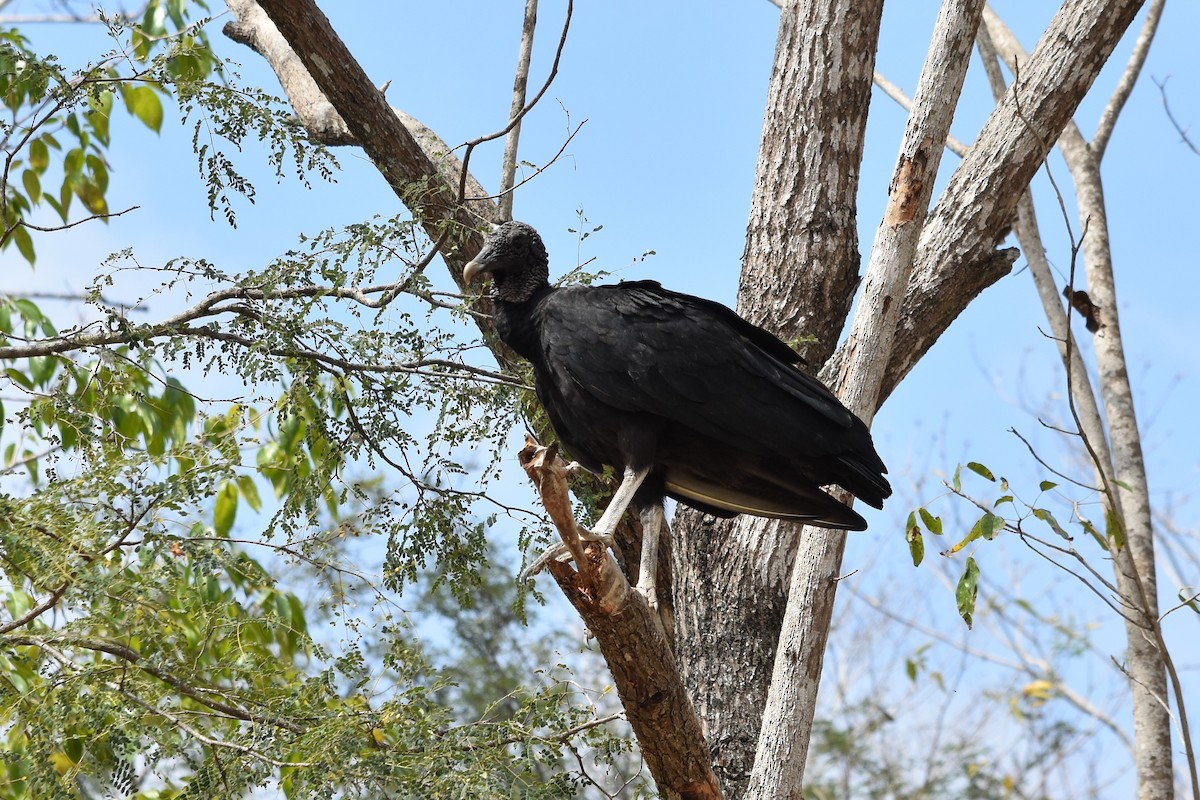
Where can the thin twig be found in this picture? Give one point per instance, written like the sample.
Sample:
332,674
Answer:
1133,69
1183,132
508,165
516,118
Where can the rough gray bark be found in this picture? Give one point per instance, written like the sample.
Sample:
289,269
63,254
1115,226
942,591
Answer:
799,274
727,638
1137,580
792,699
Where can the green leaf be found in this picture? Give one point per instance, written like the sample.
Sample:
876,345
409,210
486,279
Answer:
916,545
956,481
19,378
31,313
986,527
32,184
144,103
1048,518
226,508
968,589
99,171
24,243
100,115
1114,529
39,155
1046,486
249,492
981,470
93,197
73,162
41,369
932,523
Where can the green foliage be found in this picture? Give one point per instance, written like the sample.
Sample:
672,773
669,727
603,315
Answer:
967,590
180,618
1034,521
63,119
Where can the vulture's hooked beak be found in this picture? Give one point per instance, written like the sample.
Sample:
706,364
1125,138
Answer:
472,269
479,263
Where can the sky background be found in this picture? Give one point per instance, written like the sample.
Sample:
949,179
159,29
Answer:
672,95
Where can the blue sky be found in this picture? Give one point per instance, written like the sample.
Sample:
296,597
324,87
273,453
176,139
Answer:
673,95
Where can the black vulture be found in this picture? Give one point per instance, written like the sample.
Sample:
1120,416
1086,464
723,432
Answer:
680,395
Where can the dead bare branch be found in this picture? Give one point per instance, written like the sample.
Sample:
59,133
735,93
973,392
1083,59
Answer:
508,164
1183,131
632,640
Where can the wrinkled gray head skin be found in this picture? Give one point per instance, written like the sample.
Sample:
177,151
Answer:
513,254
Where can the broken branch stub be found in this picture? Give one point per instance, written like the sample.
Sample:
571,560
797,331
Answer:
631,640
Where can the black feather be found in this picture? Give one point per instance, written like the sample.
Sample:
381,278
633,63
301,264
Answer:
635,375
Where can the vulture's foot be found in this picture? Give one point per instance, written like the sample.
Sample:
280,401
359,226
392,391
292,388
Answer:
649,591
560,552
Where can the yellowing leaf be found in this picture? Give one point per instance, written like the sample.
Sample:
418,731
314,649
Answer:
1040,689
226,508
144,103
968,589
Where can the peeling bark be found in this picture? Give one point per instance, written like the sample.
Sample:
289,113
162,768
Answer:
795,680
632,641
799,273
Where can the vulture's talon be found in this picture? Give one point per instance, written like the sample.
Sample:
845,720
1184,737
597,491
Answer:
555,552
606,539
650,593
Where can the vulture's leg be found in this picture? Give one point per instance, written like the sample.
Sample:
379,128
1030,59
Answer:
604,528
652,525
620,501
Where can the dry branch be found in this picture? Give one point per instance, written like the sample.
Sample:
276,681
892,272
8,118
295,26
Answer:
792,699
508,164
979,203
1119,460
632,641
342,106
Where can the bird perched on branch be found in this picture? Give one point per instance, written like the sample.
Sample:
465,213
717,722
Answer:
681,396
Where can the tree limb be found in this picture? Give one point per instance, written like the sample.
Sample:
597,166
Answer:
978,204
632,641
298,42
791,702
508,164
1125,485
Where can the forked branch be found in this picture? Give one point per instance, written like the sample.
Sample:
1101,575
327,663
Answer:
632,642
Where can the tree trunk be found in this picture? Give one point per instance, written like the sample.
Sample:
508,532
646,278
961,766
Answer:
1120,465
798,277
730,577
800,271
792,700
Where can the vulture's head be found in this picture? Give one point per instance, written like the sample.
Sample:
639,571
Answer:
513,254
